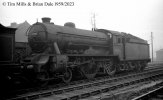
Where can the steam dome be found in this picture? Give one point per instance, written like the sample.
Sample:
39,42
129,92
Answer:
70,24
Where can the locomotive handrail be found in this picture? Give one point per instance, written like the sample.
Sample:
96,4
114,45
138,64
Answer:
26,33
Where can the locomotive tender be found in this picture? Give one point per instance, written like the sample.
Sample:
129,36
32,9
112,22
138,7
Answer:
65,51
7,58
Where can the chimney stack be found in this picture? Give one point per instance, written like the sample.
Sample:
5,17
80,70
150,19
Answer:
46,20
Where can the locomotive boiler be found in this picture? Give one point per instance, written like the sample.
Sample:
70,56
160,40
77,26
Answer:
66,51
69,39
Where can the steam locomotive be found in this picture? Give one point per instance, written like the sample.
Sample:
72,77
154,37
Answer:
66,51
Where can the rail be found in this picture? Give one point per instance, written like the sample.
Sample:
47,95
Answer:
84,90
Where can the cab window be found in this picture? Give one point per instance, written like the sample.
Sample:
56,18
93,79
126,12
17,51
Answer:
109,35
128,40
118,40
123,40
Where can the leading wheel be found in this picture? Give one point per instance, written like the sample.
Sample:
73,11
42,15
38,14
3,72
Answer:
67,76
43,78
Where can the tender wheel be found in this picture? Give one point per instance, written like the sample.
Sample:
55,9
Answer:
110,68
143,65
67,76
138,66
89,70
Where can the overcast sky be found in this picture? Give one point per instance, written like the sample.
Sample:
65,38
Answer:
137,17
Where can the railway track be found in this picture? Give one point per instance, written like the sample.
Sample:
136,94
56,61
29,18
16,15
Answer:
132,92
154,65
80,89
153,93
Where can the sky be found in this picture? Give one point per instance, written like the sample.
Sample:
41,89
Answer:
137,17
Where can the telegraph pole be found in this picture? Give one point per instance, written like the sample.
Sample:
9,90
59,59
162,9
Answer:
152,45
94,17
93,22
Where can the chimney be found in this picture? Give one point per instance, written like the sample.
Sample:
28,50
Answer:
46,20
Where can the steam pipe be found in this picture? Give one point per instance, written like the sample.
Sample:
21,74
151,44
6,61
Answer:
56,48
